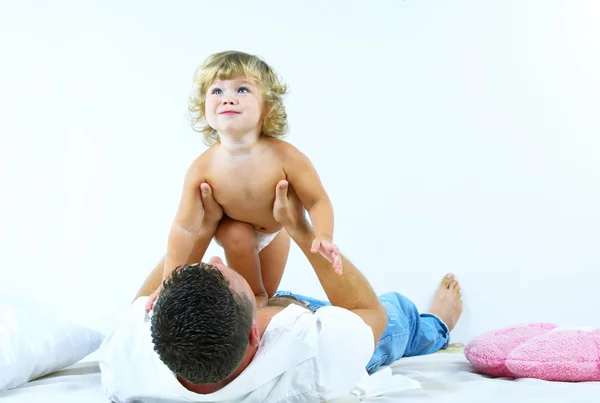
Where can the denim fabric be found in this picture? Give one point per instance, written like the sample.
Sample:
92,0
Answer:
407,334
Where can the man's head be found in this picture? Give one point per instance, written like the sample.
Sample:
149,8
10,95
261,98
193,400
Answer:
204,322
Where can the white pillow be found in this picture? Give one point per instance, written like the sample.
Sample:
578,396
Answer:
35,344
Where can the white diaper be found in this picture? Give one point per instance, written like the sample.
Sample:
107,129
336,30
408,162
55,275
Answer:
264,239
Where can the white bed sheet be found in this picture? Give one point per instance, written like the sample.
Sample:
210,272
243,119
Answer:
445,377
448,377
79,383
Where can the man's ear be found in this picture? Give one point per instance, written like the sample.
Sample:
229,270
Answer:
254,338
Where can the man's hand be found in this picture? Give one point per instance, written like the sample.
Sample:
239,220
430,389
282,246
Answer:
329,251
152,299
288,210
213,212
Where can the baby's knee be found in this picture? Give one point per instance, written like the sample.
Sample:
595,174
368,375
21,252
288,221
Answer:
236,236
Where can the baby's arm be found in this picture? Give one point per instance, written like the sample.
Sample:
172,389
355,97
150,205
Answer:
189,226
188,220
305,180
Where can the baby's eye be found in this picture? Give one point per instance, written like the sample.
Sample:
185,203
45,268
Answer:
216,91
243,89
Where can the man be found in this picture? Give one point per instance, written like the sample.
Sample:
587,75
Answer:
207,341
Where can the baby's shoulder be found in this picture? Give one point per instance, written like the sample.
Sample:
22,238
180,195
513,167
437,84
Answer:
282,148
202,163
208,156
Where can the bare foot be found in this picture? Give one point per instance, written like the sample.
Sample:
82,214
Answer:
447,304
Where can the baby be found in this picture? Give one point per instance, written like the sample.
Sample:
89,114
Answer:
238,104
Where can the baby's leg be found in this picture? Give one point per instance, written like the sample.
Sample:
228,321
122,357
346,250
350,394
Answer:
239,241
272,261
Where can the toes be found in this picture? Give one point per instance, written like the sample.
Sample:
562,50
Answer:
447,279
452,285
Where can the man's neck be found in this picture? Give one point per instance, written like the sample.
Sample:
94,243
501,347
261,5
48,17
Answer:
263,318
206,388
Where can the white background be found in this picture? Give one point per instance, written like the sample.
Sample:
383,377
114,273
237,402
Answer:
455,136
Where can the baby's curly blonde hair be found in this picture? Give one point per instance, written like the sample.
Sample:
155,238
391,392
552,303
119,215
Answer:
224,65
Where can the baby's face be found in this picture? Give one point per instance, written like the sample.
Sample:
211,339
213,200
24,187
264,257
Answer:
234,106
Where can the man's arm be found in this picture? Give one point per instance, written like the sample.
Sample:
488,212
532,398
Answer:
351,290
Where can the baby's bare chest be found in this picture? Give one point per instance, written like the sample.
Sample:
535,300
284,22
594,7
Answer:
246,186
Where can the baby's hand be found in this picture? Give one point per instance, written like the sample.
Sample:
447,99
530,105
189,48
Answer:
152,299
329,251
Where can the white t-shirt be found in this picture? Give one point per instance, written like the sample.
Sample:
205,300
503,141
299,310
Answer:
302,357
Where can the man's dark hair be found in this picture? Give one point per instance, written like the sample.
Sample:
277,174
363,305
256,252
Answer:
199,326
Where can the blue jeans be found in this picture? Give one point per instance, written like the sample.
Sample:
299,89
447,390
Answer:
407,334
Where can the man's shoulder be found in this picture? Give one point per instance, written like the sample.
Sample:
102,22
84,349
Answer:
330,349
325,326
